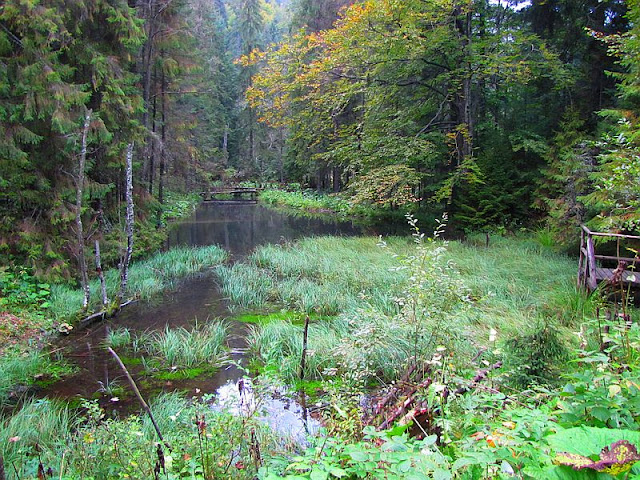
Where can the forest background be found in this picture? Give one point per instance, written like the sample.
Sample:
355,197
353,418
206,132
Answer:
505,114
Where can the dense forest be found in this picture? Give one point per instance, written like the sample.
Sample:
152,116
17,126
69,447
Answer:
505,115
506,124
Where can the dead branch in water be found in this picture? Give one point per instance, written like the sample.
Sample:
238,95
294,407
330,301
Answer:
138,395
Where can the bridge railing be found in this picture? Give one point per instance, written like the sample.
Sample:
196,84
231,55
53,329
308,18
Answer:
590,271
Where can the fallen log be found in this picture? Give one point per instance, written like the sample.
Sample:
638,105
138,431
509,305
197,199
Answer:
102,314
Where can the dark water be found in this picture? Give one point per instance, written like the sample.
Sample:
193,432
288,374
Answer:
238,228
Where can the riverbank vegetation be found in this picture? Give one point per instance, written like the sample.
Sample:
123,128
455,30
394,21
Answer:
479,357
513,360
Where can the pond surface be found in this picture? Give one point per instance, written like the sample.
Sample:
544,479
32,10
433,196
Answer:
239,228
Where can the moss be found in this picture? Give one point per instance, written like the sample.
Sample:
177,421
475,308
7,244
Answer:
312,388
296,318
184,374
129,361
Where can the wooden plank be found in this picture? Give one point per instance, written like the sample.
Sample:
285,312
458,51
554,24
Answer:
583,252
627,276
615,235
604,234
625,259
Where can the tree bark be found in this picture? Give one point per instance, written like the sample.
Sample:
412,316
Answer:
152,146
124,265
281,154
103,284
163,137
82,261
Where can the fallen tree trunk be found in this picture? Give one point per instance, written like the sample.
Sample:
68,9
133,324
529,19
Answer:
102,314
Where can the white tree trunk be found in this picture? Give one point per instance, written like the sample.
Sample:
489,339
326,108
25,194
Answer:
82,262
124,265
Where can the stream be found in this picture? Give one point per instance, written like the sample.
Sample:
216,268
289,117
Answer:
238,227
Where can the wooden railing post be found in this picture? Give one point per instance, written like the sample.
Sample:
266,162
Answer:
581,279
592,281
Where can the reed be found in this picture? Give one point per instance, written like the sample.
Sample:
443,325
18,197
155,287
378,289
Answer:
279,344
118,338
246,286
184,348
44,423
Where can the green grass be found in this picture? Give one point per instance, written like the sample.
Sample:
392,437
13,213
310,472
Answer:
279,345
185,349
517,281
307,201
28,369
44,423
118,338
296,318
325,275
146,278
513,284
179,205
89,445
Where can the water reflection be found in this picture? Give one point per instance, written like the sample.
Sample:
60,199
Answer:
240,227
283,413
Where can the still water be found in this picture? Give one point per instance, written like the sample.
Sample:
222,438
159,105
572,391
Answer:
237,227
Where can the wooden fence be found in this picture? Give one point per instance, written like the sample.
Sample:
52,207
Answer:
591,266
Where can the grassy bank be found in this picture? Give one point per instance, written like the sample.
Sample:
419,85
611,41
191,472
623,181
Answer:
401,301
308,201
337,205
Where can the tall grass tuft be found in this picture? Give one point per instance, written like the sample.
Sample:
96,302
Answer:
279,344
118,338
246,286
184,348
43,422
327,275
515,281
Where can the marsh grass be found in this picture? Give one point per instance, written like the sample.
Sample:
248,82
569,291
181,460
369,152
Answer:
185,349
516,281
246,286
512,285
148,277
279,345
326,275
44,423
118,338
90,445
28,369
296,318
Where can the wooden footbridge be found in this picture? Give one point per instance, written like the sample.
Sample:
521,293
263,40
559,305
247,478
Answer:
594,268
230,193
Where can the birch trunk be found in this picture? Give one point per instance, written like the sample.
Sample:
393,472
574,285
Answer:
124,265
82,262
103,284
